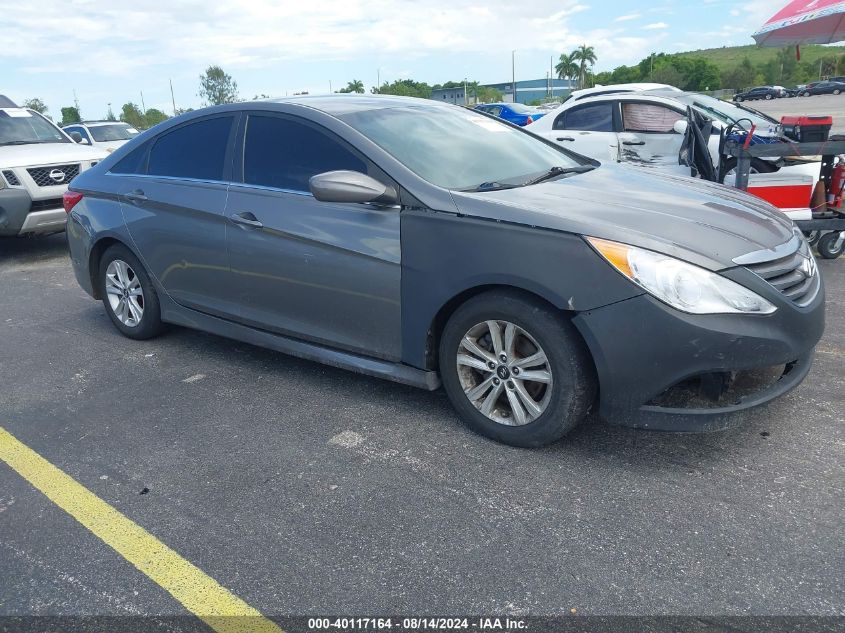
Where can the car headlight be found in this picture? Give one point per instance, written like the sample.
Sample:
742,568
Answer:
683,286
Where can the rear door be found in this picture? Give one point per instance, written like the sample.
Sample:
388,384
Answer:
648,137
321,271
589,129
174,208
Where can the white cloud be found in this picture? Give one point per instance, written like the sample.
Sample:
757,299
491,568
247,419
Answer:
627,18
656,26
107,38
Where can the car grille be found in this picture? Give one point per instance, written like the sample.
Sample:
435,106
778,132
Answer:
41,175
45,205
11,178
795,276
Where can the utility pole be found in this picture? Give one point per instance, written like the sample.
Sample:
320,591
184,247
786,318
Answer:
143,107
172,98
551,76
651,73
466,97
330,86
378,80
513,73
76,103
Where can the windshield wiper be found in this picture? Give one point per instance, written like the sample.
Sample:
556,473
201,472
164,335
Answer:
491,186
557,170
18,142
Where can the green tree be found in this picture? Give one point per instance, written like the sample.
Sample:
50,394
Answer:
356,85
405,88
566,67
585,56
110,115
35,104
669,75
153,117
131,114
486,94
70,115
625,75
217,87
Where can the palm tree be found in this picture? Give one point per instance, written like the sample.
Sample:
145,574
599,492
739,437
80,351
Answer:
584,55
356,85
566,67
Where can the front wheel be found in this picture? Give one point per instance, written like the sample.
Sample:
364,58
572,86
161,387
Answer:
128,294
831,245
738,99
768,97
837,92
515,369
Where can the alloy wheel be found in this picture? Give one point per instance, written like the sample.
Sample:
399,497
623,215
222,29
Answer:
504,373
125,294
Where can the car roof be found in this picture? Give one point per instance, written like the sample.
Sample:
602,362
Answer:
619,88
340,104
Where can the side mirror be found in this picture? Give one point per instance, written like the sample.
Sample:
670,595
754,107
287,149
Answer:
681,126
76,136
351,186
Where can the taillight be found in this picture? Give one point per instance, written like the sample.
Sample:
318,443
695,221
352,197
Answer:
70,200
529,121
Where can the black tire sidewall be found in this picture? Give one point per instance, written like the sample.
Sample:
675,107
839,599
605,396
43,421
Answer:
151,324
572,370
823,246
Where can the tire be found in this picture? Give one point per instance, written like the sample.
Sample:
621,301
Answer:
119,270
561,397
768,97
827,245
806,94
738,99
758,166
812,237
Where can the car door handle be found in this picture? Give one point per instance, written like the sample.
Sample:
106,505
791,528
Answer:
633,142
246,219
136,196
565,138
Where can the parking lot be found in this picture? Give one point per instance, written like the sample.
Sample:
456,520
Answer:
833,105
304,489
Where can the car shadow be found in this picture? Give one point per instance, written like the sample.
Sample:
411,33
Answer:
32,249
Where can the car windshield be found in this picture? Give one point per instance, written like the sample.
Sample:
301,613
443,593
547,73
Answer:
113,132
24,127
457,148
725,111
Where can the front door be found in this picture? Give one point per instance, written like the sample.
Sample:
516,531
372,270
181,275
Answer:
325,272
648,137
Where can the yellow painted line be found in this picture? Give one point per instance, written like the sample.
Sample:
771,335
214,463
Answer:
199,593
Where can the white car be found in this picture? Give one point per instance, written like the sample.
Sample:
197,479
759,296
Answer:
37,161
648,128
108,135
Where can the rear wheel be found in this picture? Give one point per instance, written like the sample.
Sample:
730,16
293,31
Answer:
768,97
738,99
128,294
515,370
831,245
837,91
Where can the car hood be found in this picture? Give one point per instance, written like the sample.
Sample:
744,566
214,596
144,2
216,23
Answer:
47,154
697,221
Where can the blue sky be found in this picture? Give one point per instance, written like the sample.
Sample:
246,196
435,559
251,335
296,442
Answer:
109,54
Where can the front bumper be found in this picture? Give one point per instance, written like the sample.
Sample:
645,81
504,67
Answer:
20,216
642,348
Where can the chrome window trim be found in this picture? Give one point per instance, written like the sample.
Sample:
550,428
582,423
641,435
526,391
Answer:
229,183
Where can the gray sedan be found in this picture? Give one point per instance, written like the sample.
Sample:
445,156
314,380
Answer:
429,244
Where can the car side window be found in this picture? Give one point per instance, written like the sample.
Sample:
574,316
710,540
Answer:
196,150
133,163
495,110
650,118
593,117
284,153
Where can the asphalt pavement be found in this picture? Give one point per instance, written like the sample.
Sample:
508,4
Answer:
308,490
833,105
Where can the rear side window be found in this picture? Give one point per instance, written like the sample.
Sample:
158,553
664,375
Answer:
196,150
284,154
595,117
133,162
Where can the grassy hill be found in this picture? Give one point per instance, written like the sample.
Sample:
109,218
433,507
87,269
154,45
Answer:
729,57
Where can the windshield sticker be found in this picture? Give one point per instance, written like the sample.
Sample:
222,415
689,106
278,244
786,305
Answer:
16,112
487,124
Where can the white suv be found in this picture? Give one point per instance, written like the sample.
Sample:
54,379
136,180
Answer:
107,135
37,161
